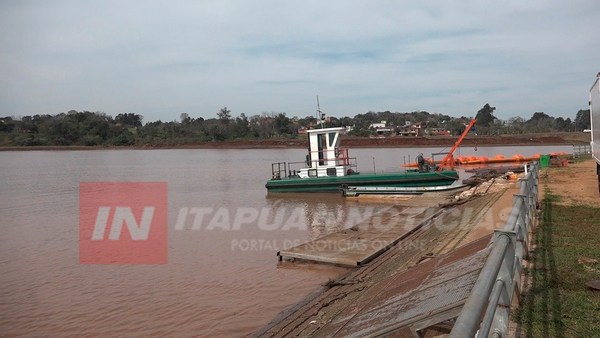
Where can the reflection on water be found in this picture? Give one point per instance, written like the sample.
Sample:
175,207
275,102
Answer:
222,278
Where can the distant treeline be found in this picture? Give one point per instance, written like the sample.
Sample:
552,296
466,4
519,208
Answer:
126,129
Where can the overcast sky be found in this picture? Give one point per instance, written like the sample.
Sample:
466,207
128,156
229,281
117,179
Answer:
162,58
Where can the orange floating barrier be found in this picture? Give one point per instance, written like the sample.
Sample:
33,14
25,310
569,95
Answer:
474,160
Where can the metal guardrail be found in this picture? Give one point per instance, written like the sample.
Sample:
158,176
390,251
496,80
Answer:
500,277
582,150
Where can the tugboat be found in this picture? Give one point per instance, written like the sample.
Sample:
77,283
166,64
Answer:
328,168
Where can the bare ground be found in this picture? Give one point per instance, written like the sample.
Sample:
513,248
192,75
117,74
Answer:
575,184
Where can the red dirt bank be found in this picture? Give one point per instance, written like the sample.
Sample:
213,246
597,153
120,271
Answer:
357,142
399,141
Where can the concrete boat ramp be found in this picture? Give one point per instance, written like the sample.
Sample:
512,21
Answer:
365,241
428,294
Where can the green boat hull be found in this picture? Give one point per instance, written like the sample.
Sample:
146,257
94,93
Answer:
334,183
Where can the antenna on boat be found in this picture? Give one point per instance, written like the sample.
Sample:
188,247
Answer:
374,171
320,114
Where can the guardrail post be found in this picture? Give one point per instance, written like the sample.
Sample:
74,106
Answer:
536,182
498,310
522,226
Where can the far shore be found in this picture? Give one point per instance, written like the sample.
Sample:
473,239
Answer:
576,138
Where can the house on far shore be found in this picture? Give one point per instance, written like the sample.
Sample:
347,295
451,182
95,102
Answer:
438,132
411,129
381,128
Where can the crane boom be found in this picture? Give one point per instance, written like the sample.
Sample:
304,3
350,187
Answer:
448,161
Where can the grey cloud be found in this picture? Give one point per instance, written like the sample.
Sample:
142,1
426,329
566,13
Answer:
161,58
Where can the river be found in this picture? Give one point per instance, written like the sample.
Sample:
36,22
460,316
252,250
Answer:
222,277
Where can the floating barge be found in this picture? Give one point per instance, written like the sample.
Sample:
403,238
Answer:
354,191
362,243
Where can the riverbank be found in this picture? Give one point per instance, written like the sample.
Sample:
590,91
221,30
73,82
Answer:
351,142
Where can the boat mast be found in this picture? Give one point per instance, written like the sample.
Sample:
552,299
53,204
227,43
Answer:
320,114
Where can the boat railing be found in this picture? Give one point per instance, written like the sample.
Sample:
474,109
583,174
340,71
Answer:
294,168
349,162
278,170
341,157
281,170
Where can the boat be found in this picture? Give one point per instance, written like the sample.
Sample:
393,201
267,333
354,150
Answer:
353,191
327,167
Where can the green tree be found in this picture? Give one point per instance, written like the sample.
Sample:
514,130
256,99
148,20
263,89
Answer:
485,118
346,121
262,126
241,128
282,124
217,132
561,124
184,118
582,120
540,122
64,131
457,125
129,119
124,138
224,115
516,125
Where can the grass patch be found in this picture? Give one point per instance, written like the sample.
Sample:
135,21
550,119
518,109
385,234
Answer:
558,304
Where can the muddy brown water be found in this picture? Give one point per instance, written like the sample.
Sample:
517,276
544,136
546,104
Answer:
222,277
